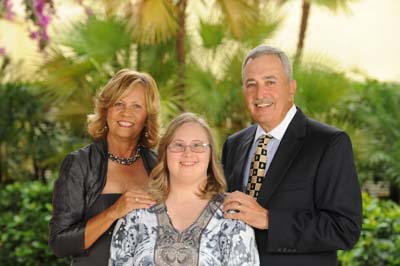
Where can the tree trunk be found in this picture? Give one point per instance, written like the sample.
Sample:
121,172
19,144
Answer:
3,162
303,28
180,47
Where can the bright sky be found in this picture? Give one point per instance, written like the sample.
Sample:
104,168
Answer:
365,40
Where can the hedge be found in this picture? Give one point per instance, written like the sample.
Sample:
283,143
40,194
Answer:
26,210
379,244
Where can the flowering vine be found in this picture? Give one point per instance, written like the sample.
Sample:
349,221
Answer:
38,15
39,12
6,10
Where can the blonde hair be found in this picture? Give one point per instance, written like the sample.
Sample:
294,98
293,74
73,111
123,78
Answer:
119,86
159,177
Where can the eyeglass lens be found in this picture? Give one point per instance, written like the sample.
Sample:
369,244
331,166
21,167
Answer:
195,146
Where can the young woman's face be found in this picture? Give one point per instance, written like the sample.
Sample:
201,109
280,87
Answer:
188,154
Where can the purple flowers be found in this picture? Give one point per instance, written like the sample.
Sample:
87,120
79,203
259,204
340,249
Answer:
8,8
41,18
37,12
2,51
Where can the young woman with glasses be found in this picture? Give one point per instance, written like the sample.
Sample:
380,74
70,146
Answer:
187,226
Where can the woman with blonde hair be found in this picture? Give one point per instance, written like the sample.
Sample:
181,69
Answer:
107,179
187,226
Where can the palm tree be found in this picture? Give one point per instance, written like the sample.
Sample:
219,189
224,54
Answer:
156,21
80,61
332,5
214,78
147,35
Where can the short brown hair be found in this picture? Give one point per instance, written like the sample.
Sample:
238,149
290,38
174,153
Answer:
118,86
159,177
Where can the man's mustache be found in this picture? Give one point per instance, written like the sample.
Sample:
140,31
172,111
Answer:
262,101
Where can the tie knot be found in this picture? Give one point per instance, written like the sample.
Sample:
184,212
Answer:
263,139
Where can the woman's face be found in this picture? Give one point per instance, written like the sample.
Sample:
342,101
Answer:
188,154
127,116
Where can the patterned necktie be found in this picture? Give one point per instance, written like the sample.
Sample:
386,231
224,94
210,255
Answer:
257,166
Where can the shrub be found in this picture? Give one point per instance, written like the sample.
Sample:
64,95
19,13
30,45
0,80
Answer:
25,214
379,244
26,210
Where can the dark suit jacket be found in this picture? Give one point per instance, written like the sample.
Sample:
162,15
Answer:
310,190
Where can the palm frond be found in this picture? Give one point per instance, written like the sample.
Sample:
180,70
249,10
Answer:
211,34
267,23
112,6
335,5
202,90
240,16
153,21
319,87
97,38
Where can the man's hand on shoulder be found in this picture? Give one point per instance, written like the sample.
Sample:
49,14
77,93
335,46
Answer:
240,206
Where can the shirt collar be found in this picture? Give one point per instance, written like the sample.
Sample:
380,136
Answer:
279,130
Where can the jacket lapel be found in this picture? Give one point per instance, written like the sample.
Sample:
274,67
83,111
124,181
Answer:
290,145
243,150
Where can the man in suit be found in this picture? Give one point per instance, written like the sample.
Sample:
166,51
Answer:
304,199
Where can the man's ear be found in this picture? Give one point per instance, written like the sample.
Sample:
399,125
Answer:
293,87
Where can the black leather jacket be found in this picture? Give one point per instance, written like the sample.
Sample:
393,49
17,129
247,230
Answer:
81,179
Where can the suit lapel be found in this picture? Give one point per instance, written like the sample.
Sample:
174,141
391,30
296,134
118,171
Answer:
290,145
243,150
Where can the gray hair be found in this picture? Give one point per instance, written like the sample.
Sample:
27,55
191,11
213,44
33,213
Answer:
269,50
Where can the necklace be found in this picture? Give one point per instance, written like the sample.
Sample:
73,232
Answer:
124,161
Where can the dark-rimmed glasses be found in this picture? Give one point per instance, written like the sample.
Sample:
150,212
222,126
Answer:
195,146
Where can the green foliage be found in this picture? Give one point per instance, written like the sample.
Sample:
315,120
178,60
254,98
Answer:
335,5
212,34
266,24
210,96
159,61
238,16
153,21
379,244
319,88
367,111
374,107
219,99
98,39
28,137
25,213
81,61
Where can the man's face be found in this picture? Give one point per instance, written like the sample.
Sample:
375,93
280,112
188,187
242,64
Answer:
269,94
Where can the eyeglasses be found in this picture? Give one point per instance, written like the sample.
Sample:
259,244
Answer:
195,146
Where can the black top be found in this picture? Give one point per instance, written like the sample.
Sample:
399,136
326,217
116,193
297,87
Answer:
99,252
81,180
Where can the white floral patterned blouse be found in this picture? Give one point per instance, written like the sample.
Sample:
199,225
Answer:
146,237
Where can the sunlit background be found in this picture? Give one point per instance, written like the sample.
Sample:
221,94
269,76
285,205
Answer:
365,39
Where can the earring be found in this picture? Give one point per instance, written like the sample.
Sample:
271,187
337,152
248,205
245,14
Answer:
146,134
105,128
